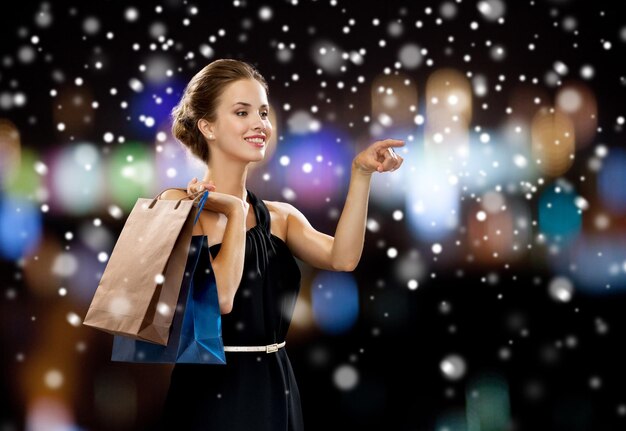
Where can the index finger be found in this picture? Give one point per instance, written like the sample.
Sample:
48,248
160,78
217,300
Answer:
390,143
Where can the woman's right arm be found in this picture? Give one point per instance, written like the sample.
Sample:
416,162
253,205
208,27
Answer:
228,265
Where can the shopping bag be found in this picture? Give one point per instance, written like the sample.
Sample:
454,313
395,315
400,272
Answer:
196,335
139,288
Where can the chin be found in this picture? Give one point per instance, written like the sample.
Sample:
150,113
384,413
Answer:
261,154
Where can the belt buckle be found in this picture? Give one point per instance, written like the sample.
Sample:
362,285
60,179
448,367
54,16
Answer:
271,348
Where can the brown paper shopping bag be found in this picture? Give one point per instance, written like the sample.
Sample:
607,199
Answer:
138,291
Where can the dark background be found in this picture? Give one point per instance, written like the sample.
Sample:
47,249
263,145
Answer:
565,372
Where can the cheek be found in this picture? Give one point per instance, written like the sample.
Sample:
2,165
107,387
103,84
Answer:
238,127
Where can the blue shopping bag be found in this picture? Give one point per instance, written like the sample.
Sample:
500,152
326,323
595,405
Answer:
196,332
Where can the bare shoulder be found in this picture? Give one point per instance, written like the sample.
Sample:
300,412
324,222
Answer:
279,212
280,208
284,209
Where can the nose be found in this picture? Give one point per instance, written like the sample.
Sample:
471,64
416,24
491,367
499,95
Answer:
259,124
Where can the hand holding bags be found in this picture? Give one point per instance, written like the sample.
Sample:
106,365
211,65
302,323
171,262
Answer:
176,311
139,288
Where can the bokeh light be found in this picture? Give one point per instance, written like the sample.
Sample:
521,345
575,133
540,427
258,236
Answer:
25,179
553,142
175,165
394,100
335,301
578,102
20,227
10,151
559,216
492,10
77,182
561,289
448,113
131,174
346,377
501,239
50,413
490,236
73,107
153,101
612,182
594,264
327,56
432,201
453,367
488,403
318,166
410,55
40,275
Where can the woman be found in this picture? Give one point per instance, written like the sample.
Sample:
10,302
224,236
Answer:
223,118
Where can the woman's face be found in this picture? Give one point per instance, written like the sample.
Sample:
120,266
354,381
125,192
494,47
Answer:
242,128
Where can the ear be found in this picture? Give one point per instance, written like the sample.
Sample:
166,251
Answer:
206,128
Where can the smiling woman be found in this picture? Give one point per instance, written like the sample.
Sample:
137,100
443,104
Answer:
201,103
245,120
223,118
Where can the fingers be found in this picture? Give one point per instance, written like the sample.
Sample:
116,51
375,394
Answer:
391,161
399,161
191,186
195,186
389,143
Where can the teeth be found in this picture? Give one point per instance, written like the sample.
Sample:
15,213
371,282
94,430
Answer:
255,140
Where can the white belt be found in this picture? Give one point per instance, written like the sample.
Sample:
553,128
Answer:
270,348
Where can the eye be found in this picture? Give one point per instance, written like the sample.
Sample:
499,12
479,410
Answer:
265,114
241,113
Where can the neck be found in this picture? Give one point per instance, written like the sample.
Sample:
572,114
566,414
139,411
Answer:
228,175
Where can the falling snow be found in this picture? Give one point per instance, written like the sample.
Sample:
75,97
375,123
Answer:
493,273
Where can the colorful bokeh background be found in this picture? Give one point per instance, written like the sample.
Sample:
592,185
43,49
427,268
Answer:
491,290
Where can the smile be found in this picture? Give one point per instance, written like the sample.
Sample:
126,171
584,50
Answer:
257,142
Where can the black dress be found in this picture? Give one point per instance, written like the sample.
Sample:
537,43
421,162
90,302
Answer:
254,390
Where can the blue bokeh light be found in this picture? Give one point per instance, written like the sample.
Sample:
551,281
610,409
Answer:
595,262
20,227
432,201
335,301
153,105
318,168
612,181
175,167
559,217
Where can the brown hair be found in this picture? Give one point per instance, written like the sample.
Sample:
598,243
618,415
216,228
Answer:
200,100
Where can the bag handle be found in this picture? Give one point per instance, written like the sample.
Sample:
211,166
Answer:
195,195
203,193
176,188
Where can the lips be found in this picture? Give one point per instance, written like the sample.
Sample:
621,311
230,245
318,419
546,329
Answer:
257,140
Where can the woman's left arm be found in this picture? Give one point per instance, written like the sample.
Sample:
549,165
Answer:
343,251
